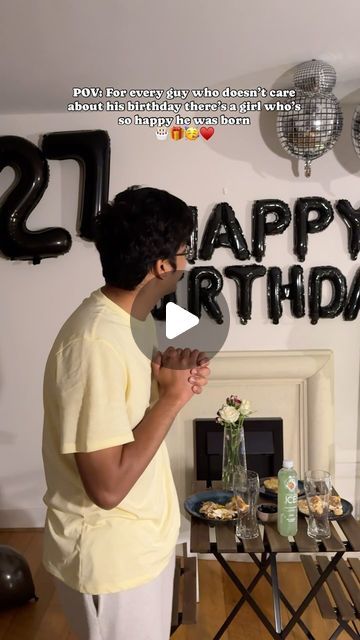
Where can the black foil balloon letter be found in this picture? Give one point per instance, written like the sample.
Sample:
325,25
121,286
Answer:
211,233
194,236
204,284
223,215
92,150
244,278
336,305
351,217
294,291
159,312
16,583
303,225
353,303
32,176
261,228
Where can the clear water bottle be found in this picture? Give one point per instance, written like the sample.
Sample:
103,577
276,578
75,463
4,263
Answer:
287,500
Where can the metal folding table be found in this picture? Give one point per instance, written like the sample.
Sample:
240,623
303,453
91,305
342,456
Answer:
268,547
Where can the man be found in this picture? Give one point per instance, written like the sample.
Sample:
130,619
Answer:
113,516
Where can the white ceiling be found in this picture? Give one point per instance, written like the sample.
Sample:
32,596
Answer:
49,46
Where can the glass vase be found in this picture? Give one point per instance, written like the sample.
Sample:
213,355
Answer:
234,454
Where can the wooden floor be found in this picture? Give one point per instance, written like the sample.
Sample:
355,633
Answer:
44,620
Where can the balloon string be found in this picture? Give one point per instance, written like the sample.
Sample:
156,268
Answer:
307,168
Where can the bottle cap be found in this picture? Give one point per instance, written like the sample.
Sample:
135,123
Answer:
288,464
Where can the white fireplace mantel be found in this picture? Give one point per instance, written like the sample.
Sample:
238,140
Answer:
297,386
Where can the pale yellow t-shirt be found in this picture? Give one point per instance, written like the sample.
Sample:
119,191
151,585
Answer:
97,387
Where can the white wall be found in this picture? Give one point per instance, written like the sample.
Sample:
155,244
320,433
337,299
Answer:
236,165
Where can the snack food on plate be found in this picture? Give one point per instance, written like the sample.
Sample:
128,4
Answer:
335,505
271,484
216,511
317,506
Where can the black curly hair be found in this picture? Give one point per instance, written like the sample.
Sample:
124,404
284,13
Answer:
140,226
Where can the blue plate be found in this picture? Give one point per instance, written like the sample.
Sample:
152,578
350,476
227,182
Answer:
273,494
347,510
193,503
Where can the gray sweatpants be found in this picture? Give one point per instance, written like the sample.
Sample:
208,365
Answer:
141,613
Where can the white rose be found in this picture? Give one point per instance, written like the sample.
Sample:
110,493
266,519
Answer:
229,414
245,408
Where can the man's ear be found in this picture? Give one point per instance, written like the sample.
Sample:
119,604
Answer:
160,268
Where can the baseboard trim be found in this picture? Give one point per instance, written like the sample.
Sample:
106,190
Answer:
21,529
28,518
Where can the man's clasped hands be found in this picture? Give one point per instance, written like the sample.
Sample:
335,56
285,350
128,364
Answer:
181,372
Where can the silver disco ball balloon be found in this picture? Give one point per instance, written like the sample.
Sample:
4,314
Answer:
355,130
315,76
313,130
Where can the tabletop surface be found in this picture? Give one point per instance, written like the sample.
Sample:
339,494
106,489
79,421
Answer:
347,540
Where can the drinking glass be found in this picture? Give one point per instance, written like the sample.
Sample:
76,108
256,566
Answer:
246,490
317,485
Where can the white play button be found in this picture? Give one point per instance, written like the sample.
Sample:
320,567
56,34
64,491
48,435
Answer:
178,320
173,322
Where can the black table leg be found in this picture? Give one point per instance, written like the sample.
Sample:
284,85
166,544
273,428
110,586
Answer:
345,626
313,591
262,571
277,631
336,633
246,597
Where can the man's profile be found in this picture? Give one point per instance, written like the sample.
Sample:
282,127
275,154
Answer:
112,510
